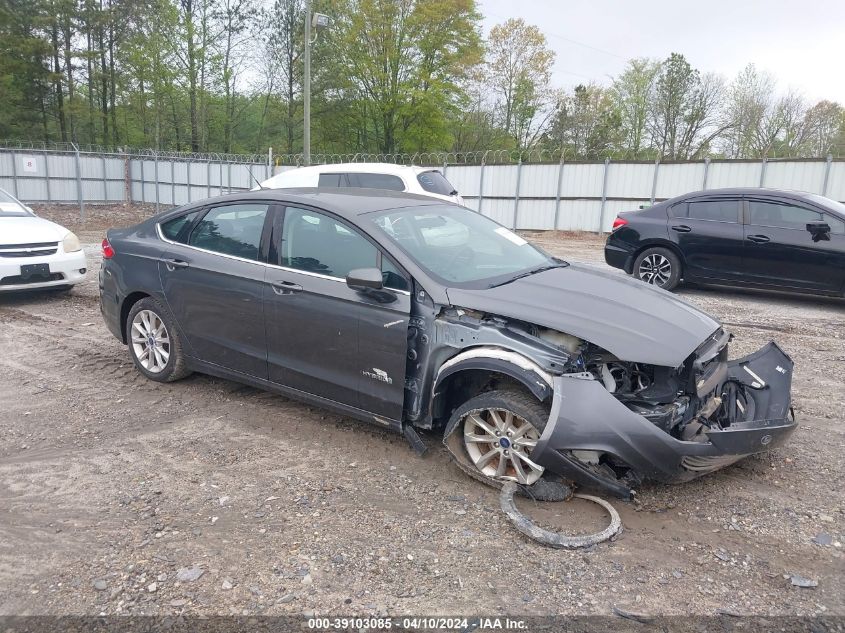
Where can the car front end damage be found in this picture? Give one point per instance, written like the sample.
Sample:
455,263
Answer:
629,422
613,423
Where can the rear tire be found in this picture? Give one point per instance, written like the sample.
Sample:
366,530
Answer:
659,267
154,342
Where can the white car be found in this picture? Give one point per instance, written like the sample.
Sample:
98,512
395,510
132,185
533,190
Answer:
34,252
425,181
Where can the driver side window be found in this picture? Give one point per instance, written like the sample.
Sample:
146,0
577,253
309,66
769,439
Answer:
316,243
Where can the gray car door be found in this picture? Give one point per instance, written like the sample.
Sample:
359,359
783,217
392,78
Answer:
324,338
213,279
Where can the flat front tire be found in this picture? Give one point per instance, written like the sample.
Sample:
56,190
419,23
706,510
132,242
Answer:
659,267
499,431
154,342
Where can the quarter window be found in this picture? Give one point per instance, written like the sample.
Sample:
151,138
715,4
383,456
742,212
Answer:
785,216
172,228
331,180
231,230
715,210
435,182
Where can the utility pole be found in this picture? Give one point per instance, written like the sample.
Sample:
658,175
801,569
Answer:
306,89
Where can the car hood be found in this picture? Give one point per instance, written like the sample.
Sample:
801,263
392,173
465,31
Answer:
630,319
29,230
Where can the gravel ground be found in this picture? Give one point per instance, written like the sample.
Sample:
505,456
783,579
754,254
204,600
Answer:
124,496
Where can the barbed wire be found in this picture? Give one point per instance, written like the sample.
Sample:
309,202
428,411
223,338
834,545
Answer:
432,158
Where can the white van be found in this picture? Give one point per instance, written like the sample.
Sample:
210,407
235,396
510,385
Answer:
425,181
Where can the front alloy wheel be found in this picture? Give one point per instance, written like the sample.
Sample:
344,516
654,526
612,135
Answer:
499,443
150,341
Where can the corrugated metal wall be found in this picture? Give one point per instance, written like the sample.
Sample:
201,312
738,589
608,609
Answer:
573,196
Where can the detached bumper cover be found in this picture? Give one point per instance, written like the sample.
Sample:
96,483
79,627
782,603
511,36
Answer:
585,416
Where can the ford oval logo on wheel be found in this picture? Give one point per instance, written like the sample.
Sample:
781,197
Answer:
765,440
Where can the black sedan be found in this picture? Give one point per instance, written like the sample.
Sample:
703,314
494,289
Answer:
764,238
413,314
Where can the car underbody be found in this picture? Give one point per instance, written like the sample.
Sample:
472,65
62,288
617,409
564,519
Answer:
614,422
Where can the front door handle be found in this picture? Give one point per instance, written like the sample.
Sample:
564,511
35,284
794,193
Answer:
681,228
758,239
173,264
285,287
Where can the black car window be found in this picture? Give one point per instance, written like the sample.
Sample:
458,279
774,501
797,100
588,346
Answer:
231,230
376,181
172,228
316,243
435,182
781,215
331,180
716,210
836,225
392,276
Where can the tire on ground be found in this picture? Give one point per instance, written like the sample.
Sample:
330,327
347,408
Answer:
176,367
676,269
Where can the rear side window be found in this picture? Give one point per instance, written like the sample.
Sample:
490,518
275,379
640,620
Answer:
435,182
231,230
715,210
172,228
331,180
785,216
376,181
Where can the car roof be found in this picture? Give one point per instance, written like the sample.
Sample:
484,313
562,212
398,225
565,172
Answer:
345,202
357,168
743,191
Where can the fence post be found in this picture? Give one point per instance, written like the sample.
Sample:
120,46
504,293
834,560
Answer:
143,182
173,181
78,182
208,178
15,173
827,174
229,176
269,163
47,178
516,196
603,194
706,170
444,167
156,177
221,177
654,181
559,185
763,170
481,184
188,165
127,177
105,180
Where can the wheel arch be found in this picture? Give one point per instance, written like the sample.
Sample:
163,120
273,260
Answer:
656,243
126,305
485,368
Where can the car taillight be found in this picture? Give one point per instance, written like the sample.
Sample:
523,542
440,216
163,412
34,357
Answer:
108,251
619,222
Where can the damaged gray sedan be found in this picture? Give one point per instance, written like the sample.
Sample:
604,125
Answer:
413,315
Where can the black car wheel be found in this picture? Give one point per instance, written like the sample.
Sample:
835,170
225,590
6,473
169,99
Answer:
659,267
154,342
500,430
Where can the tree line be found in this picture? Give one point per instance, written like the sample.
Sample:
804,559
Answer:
388,76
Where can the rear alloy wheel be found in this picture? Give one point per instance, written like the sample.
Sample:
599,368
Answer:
154,343
500,431
659,267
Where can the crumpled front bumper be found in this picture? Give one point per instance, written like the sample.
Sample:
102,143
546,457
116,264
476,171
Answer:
586,417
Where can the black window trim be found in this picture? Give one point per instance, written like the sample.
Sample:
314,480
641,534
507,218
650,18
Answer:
381,253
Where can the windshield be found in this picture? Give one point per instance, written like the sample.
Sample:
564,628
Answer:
11,207
435,182
460,247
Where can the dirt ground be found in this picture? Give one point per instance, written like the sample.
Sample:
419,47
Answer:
124,496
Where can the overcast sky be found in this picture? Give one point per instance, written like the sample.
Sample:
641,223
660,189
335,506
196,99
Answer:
801,42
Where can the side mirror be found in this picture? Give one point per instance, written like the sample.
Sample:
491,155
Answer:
819,230
365,279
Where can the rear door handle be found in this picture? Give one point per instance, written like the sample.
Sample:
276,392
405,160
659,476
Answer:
681,228
285,287
758,239
173,264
